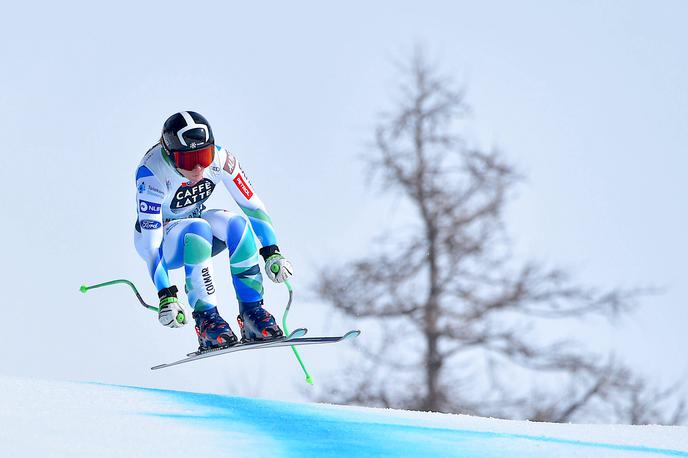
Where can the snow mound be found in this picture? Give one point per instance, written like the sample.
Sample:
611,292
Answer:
65,419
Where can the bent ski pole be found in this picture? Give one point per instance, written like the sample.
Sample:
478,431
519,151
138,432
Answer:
180,316
85,289
309,379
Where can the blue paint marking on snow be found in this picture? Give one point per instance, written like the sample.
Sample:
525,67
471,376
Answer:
301,432
312,430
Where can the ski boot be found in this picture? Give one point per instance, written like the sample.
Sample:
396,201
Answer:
213,332
257,324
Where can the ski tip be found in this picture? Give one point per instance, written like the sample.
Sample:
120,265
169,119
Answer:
351,334
299,332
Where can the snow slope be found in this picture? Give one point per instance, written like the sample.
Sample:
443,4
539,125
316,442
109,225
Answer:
65,419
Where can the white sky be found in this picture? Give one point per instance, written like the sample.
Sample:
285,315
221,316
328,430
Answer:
589,100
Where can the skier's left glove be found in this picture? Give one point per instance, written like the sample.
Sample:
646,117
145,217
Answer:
277,268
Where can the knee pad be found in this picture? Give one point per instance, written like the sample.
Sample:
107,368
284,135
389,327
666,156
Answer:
196,248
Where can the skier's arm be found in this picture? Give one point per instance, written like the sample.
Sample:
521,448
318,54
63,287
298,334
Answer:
245,196
277,268
149,209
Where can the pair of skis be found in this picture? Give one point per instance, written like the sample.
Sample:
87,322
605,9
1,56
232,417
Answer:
292,339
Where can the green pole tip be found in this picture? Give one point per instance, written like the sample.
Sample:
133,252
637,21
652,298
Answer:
83,288
309,380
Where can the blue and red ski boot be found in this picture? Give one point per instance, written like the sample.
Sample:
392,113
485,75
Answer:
212,330
257,324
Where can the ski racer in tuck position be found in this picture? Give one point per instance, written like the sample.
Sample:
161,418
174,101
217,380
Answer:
174,229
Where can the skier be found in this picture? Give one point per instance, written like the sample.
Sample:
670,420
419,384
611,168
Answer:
174,229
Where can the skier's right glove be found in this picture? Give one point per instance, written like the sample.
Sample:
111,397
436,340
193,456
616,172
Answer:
171,312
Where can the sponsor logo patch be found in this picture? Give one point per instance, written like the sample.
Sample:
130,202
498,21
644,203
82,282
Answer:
243,187
230,163
207,281
141,188
149,207
187,196
153,190
169,224
149,224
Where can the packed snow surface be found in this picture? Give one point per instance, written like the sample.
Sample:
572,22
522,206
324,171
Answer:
65,419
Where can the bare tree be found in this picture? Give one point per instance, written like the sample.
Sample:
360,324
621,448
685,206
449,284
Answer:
459,320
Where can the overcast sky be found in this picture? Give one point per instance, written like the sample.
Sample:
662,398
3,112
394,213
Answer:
589,100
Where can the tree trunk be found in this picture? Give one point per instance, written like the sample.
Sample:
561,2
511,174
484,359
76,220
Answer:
433,361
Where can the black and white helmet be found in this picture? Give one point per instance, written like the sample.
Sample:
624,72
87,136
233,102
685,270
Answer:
186,131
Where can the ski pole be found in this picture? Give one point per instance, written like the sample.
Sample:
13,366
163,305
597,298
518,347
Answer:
85,289
180,316
309,379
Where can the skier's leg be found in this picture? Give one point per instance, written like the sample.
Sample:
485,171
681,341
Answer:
189,243
236,232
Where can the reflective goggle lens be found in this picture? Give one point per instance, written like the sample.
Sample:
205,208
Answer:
187,160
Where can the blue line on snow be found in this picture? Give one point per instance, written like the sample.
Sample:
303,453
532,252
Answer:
307,430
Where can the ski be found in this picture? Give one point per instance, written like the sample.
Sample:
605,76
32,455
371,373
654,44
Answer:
294,338
296,333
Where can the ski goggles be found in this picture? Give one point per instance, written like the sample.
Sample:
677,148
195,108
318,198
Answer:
187,160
